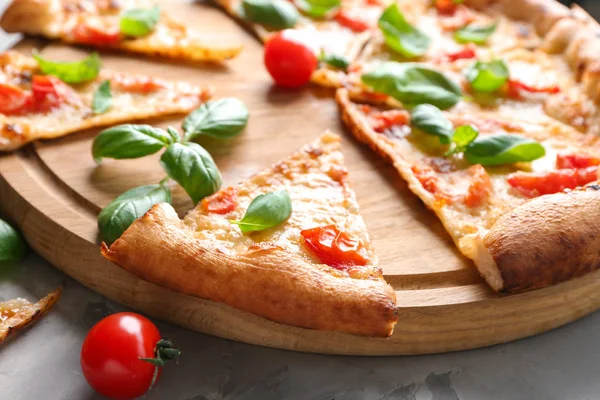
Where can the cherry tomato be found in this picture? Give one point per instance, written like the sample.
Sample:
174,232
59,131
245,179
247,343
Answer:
88,34
515,88
288,59
480,187
537,184
112,352
433,184
446,7
49,92
137,84
334,247
13,100
222,202
382,120
576,161
353,22
468,51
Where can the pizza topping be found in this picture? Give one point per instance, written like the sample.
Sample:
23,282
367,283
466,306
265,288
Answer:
460,17
515,89
431,120
274,14
289,58
137,83
380,121
266,211
13,100
468,51
12,246
500,149
85,33
351,21
413,84
480,188
222,202
446,7
433,184
538,184
102,99
334,247
317,8
50,92
335,60
487,77
71,72
139,21
400,35
564,161
474,33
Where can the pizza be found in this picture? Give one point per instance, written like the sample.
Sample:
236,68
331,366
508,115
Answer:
502,143
35,105
315,270
17,313
135,26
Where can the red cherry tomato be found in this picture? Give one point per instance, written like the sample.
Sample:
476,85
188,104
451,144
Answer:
13,100
576,161
288,59
88,34
480,188
351,21
222,202
334,247
111,352
538,184
49,92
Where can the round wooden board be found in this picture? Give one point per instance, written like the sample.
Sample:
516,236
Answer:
54,191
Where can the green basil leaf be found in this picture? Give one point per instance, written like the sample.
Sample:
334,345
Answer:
222,118
102,99
174,134
139,21
193,168
474,33
274,14
12,246
432,120
487,77
335,61
400,35
71,72
119,214
413,84
317,8
463,136
129,141
266,211
503,149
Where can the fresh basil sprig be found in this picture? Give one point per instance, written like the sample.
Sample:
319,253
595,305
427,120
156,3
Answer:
266,211
119,214
102,99
139,21
129,141
431,120
190,165
71,72
335,60
503,149
317,8
400,35
487,77
12,246
273,14
474,33
222,118
413,84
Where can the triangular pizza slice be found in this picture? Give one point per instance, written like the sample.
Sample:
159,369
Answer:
316,270
135,26
17,313
38,106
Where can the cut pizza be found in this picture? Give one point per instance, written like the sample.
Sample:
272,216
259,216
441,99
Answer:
18,313
36,102
136,26
315,269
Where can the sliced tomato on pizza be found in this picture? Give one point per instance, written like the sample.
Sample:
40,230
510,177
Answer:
134,26
317,269
35,105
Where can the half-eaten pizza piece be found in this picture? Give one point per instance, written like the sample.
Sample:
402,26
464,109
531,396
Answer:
35,105
136,26
316,270
18,313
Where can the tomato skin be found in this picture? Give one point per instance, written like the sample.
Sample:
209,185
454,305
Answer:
467,52
354,23
446,7
480,187
515,88
334,247
91,35
382,120
538,184
13,100
222,202
289,61
49,92
111,351
576,161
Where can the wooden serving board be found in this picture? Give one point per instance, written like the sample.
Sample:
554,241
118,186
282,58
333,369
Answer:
54,191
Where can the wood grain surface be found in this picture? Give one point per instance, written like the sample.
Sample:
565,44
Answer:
53,190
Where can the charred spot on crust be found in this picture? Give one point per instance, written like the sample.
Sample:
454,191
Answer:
594,187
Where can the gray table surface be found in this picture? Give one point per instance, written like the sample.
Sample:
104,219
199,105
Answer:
43,362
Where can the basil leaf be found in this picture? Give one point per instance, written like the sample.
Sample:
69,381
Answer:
174,134
474,34
487,77
139,21
503,149
71,72
400,35
119,214
222,118
102,99
275,14
129,141
413,84
335,61
432,120
464,135
12,246
193,168
317,8
266,211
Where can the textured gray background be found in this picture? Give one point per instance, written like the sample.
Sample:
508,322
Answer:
43,362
